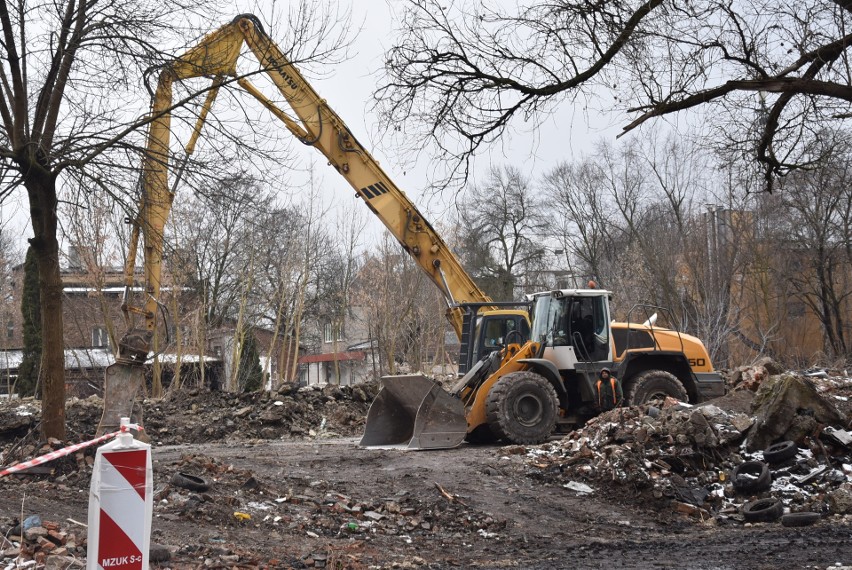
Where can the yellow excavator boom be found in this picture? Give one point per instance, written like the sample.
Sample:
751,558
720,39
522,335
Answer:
312,122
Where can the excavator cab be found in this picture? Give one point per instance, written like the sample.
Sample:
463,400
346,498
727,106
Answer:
488,327
493,332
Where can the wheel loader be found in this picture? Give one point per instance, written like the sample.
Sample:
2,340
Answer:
533,387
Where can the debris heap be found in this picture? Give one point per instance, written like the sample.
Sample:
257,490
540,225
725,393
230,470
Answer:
777,443
199,416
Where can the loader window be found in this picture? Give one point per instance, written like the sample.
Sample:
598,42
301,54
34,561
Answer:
588,327
547,313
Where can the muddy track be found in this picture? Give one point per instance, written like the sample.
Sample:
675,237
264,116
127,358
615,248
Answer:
472,507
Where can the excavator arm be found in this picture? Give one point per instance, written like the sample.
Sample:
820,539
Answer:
315,124
312,122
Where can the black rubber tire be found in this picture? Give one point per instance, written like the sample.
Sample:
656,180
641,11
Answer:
480,435
781,451
521,408
760,481
763,510
652,385
800,519
191,482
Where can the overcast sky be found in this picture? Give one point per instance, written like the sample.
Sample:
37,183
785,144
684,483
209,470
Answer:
348,88
566,135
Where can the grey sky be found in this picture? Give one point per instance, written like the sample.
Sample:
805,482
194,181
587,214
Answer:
349,87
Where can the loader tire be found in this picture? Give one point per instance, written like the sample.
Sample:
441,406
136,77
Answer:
521,408
655,385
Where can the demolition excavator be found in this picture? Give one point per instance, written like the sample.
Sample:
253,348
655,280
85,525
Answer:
476,319
521,378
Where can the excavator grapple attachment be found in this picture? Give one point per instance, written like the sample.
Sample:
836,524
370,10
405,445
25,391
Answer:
414,412
121,383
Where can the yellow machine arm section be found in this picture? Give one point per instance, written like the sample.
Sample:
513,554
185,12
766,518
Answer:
315,124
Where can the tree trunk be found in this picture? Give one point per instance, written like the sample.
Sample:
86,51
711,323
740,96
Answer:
41,187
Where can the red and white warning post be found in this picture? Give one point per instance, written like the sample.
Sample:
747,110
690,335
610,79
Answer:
121,505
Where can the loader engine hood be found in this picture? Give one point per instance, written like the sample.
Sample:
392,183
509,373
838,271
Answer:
640,337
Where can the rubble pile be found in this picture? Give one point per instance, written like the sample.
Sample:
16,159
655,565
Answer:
643,445
217,495
42,544
290,412
199,416
752,376
790,454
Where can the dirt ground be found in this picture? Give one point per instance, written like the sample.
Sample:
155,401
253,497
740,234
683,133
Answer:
314,499
498,516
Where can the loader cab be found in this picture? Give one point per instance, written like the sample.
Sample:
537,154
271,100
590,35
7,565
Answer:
574,324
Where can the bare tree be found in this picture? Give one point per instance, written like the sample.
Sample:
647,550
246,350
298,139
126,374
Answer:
584,219
818,204
402,306
501,232
631,218
216,238
69,69
89,224
466,73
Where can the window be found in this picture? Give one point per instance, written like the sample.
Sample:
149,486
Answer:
10,329
632,339
100,337
332,332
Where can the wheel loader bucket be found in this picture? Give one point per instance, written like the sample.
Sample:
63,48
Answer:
121,383
414,412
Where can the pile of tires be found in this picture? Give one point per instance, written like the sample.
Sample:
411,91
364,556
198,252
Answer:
751,477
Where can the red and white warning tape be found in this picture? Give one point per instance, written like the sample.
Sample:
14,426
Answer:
67,450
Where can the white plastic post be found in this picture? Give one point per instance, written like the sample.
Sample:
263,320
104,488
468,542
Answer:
121,505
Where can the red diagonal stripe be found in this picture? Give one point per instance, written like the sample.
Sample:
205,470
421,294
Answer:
115,549
131,465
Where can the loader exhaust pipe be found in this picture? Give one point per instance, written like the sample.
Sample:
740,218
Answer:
414,412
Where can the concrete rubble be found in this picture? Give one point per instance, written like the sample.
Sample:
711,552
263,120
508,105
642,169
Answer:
684,456
667,455
201,416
